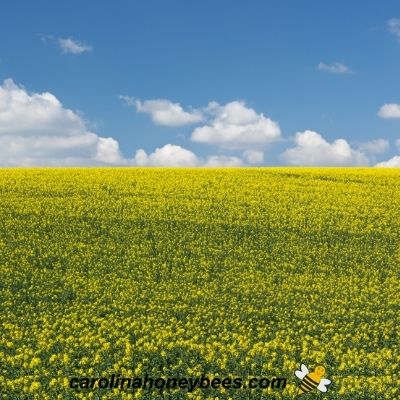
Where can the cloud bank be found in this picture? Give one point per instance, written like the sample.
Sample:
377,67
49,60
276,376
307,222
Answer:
36,129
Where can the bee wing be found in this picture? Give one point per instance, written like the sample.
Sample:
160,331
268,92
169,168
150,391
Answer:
302,372
322,385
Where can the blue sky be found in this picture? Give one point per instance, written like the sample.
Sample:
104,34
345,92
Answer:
260,82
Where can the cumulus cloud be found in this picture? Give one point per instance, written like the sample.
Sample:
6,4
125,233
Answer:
312,149
393,26
169,155
35,129
236,126
223,161
107,151
376,146
254,156
393,162
165,112
335,68
72,46
390,110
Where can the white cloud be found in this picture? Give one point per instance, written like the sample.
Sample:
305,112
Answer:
254,156
393,162
376,146
223,161
35,129
394,27
312,149
45,38
169,155
130,101
335,68
72,46
390,110
235,126
165,112
107,151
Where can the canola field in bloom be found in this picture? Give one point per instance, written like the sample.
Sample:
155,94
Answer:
183,272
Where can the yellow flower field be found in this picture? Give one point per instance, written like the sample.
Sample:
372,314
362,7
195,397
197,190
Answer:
183,272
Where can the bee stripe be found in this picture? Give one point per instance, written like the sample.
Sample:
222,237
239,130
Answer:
310,381
306,387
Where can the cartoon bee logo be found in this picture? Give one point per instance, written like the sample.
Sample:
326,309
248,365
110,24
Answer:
311,380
